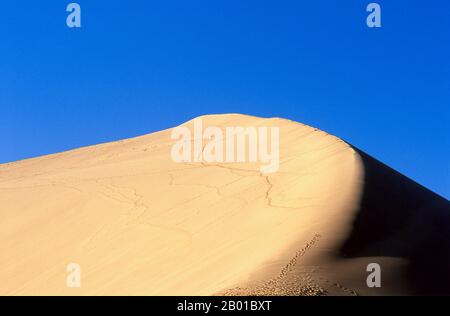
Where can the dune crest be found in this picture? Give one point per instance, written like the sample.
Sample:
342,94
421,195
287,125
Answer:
138,223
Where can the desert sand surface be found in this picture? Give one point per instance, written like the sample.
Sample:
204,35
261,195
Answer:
138,223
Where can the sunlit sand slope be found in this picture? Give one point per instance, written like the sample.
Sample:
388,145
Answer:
139,223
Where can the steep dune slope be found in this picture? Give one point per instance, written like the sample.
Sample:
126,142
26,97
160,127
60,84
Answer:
139,223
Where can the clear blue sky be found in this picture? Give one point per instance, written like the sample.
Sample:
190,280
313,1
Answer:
140,66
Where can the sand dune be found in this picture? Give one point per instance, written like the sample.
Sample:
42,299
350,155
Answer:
139,223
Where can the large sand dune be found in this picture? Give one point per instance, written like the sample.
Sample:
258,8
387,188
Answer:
138,223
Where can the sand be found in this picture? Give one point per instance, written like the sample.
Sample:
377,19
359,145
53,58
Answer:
138,223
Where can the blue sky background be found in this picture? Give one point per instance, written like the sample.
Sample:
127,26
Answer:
140,66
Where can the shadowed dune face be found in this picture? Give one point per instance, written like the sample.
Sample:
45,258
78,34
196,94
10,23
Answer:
399,218
137,222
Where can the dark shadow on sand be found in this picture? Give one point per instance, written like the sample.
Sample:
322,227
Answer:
400,218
